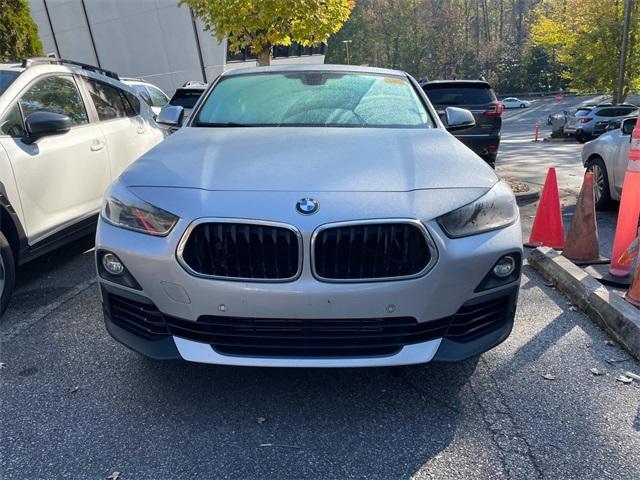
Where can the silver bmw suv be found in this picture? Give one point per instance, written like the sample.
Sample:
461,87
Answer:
310,216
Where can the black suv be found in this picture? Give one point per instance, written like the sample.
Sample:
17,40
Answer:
479,97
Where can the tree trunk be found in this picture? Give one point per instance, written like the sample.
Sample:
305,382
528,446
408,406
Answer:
264,58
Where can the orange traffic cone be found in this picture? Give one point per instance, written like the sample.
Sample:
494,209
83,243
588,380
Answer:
548,228
633,295
629,212
582,246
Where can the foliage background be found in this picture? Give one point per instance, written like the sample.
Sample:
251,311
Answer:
517,45
18,32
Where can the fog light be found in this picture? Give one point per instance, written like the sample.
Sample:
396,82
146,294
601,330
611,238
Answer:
505,266
112,264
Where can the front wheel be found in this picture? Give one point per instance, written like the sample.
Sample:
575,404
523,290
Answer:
7,273
602,193
522,105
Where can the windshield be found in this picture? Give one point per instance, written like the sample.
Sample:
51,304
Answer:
311,99
6,78
185,98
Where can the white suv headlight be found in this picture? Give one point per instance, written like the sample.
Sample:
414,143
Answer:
123,209
494,210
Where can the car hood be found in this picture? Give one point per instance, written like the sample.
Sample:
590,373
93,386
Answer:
310,159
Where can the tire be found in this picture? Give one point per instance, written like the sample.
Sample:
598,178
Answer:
601,183
522,105
7,273
582,137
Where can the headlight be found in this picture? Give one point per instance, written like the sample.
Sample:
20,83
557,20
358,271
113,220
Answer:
123,209
494,210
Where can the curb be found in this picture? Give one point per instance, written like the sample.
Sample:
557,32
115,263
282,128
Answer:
560,140
527,197
617,317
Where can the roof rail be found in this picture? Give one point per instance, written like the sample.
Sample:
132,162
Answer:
29,62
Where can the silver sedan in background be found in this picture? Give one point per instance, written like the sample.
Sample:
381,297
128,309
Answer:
311,216
607,157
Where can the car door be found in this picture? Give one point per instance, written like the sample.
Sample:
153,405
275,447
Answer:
128,133
621,157
61,179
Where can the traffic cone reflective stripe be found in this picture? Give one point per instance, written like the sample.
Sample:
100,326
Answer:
630,253
582,245
548,227
629,212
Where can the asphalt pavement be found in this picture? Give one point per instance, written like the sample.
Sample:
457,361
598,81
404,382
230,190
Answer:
75,404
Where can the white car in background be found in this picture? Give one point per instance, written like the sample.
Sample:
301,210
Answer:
607,157
67,131
151,94
512,102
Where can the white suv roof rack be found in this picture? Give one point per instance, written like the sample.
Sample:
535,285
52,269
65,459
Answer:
30,62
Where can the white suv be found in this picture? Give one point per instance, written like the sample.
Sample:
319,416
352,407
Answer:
151,94
67,130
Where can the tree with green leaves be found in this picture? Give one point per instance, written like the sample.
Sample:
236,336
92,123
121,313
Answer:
18,32
586,37
258,25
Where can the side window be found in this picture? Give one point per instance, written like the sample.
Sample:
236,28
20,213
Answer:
12,123
110,101
158,98
606,112
57,95
144,94
134,103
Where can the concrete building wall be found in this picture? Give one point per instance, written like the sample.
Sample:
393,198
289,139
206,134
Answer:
151,39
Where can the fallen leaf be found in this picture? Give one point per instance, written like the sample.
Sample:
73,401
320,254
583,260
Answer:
74,389
624,379
114,476
3,365
261,420
609,343
573,309
632,375
549,376
613,361
548,284
597,372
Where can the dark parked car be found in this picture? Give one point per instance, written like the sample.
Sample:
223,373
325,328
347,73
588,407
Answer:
479,97
187,97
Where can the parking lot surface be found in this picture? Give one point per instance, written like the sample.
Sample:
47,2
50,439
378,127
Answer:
76,404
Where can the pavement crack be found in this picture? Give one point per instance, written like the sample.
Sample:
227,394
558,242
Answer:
45,310
517,457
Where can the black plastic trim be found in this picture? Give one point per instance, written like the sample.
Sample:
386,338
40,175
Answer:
450,351
58,239
161,349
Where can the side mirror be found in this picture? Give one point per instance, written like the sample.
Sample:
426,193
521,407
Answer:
628,126
43,124
458,119
171,116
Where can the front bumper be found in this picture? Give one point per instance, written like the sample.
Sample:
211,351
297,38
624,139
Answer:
439,296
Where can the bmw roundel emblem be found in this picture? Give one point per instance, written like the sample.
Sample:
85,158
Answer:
307,206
